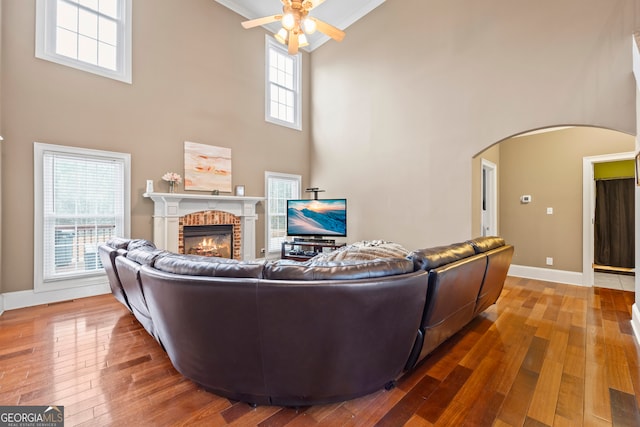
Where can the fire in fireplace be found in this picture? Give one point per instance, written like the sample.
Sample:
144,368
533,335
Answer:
209,240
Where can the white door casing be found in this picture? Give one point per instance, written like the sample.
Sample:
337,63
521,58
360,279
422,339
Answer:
589,208
489,198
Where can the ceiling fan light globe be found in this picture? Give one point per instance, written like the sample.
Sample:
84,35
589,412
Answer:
288,21
309,25
281,35
302,40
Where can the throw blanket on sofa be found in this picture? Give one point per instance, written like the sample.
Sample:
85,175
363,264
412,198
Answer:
364,250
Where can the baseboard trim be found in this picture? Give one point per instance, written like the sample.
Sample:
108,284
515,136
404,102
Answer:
546,274
21,299
635,322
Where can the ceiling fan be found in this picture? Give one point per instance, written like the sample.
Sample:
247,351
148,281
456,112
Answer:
296,24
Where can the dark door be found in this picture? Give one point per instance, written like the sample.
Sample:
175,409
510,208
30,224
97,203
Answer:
614,228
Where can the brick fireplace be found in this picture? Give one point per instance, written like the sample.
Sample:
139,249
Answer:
204,220
170,209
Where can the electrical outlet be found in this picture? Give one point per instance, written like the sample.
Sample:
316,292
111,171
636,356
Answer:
262,250
549,260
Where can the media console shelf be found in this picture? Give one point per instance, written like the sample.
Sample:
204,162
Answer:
302,251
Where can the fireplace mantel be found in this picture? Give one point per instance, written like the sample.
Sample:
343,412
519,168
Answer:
169,207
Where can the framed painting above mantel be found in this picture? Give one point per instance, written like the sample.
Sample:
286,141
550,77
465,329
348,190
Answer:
207,167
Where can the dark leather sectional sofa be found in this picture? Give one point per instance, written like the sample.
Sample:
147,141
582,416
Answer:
299,333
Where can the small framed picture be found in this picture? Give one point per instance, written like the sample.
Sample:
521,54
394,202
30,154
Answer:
239,190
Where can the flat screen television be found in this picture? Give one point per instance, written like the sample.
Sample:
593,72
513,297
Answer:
319,218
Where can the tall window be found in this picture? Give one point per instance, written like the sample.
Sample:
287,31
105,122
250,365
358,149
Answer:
280,187
90,35
282,85
81,200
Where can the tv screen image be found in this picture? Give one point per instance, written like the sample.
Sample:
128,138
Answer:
326,217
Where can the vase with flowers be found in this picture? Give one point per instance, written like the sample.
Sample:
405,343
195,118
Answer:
173,179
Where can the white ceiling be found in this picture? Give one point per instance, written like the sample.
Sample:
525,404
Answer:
339,13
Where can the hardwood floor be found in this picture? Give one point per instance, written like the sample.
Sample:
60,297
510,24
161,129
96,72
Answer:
545,355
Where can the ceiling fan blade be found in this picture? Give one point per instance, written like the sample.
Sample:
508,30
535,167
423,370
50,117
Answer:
261,21
293,43
329,30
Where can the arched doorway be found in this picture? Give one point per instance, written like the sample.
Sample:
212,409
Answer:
540,198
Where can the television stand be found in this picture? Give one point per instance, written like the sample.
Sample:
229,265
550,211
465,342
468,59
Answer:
313,240
305,250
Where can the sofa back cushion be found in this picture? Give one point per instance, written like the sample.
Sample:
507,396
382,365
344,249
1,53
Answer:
487,243
430,258
118,243
145,255
336,270
195,265
140,243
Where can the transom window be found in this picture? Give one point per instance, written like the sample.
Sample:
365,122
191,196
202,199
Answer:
282,86
91,35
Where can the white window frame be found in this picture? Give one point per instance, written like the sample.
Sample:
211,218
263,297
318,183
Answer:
268,176
46,41
272,44
84,279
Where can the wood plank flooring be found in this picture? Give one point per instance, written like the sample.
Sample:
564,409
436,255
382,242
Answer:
545,355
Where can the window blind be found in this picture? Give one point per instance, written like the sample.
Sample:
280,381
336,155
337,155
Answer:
279,190
83,206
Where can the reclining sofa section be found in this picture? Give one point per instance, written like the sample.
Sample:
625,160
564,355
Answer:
299,333
464,280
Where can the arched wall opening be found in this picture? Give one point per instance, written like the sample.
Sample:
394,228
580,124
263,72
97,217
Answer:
548,230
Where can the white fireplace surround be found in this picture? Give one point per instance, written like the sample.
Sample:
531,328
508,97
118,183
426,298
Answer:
169,207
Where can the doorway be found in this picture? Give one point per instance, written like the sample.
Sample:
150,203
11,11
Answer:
589,198
489,199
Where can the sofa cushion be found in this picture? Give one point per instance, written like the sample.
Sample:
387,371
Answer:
430,258
364,250
145,255
196,265
484,244
140,243
118,243
336,270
